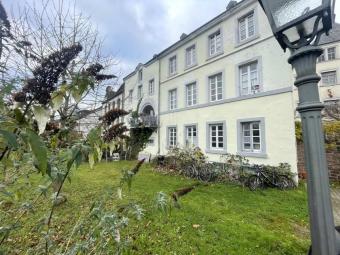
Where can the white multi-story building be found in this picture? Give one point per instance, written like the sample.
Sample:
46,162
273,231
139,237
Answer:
226,88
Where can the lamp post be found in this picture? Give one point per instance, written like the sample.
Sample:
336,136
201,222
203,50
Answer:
298,25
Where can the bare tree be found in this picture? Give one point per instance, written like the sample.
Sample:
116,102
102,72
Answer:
51,25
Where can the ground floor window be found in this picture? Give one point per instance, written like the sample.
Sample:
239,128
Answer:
251,136
172,137
216,136
191,136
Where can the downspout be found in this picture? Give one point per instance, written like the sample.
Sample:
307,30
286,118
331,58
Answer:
158,106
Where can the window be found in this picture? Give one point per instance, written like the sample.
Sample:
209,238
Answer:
172,137
109,106
140,75
191,136
249,79
251,136
190,56
151,87
331,53
327,54
328,78
105,109
216,136
118,103
140,91
151,142
172,65
191,93
173,99
113,105
216,87
130,95
215,43
246,27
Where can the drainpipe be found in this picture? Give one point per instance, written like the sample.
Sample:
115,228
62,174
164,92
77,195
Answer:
159,107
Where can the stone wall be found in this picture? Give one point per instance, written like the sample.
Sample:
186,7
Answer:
333,160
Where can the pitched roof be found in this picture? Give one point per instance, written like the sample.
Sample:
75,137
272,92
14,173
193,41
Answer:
334,35
114,94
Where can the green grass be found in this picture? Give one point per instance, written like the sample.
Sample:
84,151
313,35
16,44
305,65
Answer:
213,219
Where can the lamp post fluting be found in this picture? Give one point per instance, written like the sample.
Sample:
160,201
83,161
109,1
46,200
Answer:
323,234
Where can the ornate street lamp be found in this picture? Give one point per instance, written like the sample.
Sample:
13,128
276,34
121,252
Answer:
298,25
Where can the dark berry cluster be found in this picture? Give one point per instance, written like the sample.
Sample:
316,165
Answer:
93,70
46,75
112,115
116,131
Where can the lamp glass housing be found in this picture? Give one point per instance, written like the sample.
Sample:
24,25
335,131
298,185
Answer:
296,18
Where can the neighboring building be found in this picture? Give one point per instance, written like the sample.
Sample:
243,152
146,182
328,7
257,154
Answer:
328,67
87,120
226,87
113,100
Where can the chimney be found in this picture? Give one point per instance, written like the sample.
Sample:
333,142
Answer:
231,5
183,36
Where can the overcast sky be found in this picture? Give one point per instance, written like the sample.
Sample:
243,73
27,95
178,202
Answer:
134,30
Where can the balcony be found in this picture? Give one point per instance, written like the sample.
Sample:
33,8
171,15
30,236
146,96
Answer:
144,121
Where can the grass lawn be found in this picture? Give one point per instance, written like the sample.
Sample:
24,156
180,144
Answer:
213,219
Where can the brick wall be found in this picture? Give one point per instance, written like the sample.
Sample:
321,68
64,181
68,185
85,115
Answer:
333,160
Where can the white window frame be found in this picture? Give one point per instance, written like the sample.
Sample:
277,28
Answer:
218,149
140,75
215,43
251,89
191,140
326,82
251,151
172,136
246,21
172,65
191,94
190,56
248,131
151,88
172,98
216,87
140,91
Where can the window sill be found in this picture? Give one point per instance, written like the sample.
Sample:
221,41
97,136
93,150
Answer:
240,43
189,67
212,151
215,55
252,154
172,75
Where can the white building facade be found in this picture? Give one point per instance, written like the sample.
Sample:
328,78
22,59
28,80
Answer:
226,88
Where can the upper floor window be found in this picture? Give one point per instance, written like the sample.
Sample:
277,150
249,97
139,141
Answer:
113,105
249,78
246,27
109,106
191,94
130,95
191,136
215,43
151,87
328,78
173,99
327,54
216,87
140,91
172,65
140,75
190,56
